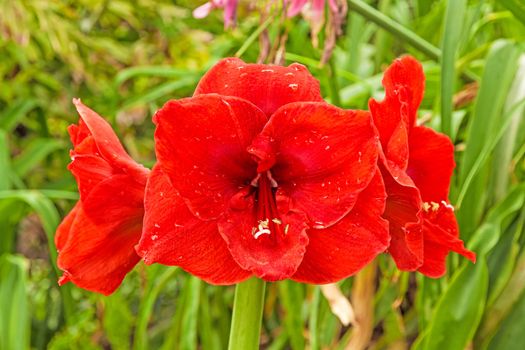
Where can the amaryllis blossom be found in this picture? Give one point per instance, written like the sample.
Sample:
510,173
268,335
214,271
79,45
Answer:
96,239
256,175
416,164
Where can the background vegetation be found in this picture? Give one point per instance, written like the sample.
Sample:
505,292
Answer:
126,58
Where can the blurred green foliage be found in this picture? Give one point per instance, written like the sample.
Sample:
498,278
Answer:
126,58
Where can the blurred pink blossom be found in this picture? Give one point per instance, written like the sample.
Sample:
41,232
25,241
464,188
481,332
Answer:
316,7
313,11
229,6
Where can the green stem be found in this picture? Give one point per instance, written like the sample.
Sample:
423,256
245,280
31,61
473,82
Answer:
247,315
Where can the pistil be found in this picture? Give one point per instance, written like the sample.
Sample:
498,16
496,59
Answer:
268,221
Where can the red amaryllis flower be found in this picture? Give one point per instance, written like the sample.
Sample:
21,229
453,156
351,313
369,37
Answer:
416,164
257,175
96,239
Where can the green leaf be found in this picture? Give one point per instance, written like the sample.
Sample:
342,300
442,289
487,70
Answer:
118,321
454,19
516,7
190,310
497,77
501,171
153,71
50,219
292,296
487,236
159,91
155,286
12,116
209,334
313,321
484,127
34,154
15,326
510,330
503,307
459,310
11,212
5,164
396,29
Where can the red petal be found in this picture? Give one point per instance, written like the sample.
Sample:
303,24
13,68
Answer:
117,202
431,163
267,257
402,207
99,250
441,234
173,236
404,83
346,247
104,138
266,86
89,171
62,234
201,145
321,156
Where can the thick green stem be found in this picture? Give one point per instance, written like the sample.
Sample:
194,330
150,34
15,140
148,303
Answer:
247,315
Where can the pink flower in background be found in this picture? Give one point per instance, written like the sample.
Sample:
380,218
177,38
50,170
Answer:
229,6
313,11
315,7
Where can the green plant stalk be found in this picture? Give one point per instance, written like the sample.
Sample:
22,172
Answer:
247,315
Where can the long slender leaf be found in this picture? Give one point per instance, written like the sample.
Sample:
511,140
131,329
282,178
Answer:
153,71
506,147
453,27
395,28
34,154
5,166
516,7
15,324
160,91
50,219
188,340
484,127
12,116
291,295
146,307
459,310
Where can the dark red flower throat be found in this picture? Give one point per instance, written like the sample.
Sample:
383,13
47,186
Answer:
269,223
